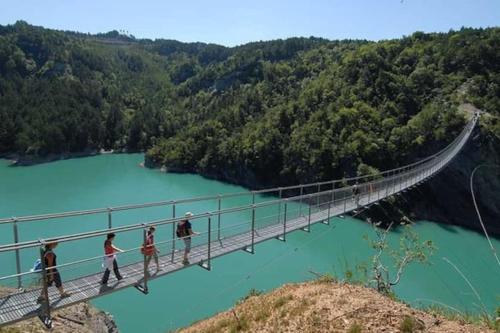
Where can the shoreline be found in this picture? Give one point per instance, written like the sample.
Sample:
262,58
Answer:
402,209
16,160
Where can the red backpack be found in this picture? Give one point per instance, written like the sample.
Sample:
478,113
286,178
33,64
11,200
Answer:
148,249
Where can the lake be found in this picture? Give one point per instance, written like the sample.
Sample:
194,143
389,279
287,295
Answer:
192,294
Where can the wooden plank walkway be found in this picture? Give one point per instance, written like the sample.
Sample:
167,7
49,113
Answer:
23,305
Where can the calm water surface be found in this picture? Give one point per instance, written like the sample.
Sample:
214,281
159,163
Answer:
192,294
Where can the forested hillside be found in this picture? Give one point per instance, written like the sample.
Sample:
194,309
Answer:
260,114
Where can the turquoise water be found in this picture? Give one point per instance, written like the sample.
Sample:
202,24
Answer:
192,294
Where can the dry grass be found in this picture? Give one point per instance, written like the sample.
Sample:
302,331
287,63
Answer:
326,306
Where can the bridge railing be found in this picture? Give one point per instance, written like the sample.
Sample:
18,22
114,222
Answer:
108,211
262,209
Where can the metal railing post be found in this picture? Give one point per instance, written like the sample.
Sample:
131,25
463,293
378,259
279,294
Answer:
369,192
327,221
401,180
173,232
146,273
284,223
308,227
309,220
345,202
332,199
250,248
218,219
46,319
317,195
300,204
282,237
110,222
18,257
253,228
207,265
378,192
393,182
279,208
386,184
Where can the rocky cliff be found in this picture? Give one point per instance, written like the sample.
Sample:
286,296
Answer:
79,318
447,198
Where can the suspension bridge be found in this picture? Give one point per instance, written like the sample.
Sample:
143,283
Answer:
222,231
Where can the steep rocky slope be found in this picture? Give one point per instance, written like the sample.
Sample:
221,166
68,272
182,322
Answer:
80,318
447,198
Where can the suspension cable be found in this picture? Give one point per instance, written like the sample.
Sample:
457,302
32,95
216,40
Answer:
493,250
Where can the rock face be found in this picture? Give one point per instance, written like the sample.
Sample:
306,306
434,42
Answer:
327,307
79,318
447,199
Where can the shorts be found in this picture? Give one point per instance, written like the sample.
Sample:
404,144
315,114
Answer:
153,255
54,278
187,243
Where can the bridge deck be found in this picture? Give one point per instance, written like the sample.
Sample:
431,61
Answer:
23,305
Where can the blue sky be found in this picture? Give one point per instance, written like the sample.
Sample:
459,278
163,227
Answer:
238,21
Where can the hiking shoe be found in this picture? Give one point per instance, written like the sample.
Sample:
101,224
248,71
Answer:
65,294
185,262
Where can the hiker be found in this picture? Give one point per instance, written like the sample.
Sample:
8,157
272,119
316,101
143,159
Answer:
355,193
110,259
53,276
149,249
185,232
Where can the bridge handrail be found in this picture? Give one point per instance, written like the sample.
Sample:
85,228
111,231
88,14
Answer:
95,233
392,181
228,195
138,226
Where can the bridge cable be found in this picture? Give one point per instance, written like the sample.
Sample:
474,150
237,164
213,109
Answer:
271,261
493,250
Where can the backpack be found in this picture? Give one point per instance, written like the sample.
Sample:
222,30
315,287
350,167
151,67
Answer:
37,266
181,230
148,248
355,189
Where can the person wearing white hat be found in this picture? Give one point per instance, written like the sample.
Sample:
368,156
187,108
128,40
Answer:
185,231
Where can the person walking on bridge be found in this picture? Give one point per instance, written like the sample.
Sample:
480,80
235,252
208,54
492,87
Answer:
53,276
110,259
185,231
149,249
355,193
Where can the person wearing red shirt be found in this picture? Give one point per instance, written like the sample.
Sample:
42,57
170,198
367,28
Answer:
149,249
110,259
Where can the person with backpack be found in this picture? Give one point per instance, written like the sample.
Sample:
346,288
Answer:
149,249
110,259
53,276
185,231
355,193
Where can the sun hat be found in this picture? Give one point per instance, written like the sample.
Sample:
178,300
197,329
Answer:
188,214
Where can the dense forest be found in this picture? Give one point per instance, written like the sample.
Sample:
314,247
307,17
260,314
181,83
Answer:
259,114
